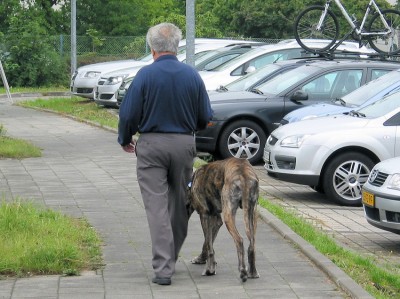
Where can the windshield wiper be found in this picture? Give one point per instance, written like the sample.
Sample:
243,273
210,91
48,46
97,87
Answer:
342,102
257,91
222,88
356,113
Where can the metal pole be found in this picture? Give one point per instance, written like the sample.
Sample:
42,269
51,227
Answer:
3,77
190,31
73,36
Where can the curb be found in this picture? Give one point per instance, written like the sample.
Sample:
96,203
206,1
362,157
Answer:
339,277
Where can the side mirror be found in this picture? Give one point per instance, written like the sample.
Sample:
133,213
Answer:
299,95
250,69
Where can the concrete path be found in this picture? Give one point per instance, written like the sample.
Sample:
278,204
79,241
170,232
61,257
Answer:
84,173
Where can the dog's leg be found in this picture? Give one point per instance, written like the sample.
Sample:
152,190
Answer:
229,218
251,226
214,223
202,257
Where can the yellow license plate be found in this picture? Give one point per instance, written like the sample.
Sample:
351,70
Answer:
368,199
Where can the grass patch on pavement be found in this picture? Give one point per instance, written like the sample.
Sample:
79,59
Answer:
379,282
16,148
80,108
35,240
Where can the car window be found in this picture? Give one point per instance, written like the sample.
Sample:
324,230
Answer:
267,58
220,60
367,91
288,79
246,81
378,73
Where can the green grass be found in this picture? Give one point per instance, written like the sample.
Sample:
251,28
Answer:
80,108
34,89
379,282
16,148
35,240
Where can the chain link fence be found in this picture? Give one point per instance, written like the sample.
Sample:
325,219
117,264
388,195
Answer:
91,50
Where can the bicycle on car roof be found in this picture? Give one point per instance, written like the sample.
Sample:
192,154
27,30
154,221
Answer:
382,31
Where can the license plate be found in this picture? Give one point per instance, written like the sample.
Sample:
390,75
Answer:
368,199
267,156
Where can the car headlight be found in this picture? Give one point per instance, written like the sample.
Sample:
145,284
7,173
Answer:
115,80
293,141
92,74
394,182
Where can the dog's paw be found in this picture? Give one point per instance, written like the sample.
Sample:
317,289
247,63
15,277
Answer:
199,260
254,275
208,272
243,275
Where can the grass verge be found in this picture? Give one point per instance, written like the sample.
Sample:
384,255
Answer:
35,240
80,108
379,282
16,148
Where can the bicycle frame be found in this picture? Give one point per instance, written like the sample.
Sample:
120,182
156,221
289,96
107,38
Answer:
357,29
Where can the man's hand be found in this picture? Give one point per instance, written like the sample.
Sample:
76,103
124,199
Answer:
131,147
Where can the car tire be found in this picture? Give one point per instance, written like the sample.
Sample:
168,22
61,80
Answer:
242,139
344,176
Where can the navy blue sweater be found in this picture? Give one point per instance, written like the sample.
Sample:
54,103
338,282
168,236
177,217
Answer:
167,96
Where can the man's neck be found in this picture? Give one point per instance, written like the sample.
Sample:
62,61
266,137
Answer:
159,54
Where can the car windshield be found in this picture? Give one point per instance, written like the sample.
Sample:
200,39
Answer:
382,107
285,80
234,61
367,91
248,80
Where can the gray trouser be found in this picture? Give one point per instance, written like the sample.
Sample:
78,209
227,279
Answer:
164,169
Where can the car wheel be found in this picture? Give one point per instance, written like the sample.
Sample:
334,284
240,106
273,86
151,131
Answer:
345,175
242,139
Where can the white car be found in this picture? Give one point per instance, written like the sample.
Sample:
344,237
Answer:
263,55
335,154
381,195
109,82
85,78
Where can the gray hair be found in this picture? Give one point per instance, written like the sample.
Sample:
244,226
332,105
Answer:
164,37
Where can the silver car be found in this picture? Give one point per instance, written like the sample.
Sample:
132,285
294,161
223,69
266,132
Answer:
335,154
381,196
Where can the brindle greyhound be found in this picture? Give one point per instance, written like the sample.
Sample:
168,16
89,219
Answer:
222,187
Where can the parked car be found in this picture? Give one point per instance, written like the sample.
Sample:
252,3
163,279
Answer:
264,55
243,120
335,154
109,82
84,79
361,97
381,195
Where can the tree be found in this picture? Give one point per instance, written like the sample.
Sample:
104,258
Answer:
31,58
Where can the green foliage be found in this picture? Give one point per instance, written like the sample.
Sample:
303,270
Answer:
32,61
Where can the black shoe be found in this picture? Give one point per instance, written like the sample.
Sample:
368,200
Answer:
161,281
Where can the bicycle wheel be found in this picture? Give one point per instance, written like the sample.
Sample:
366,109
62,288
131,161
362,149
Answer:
388,44
305,28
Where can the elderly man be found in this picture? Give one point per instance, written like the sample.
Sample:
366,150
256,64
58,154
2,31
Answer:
166,103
